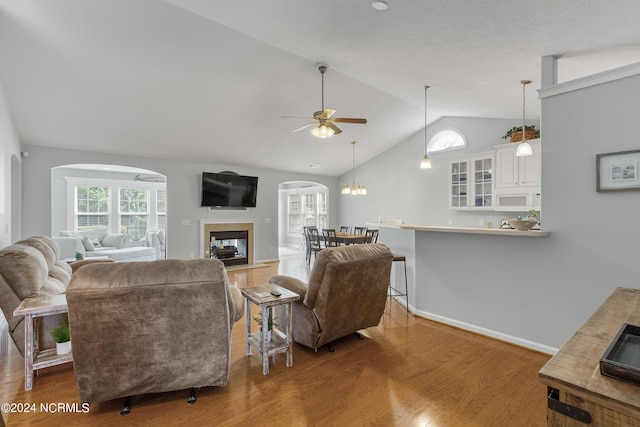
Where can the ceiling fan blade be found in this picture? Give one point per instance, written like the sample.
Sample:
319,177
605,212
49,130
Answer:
328,112
335,128
350,120
296,117
304,127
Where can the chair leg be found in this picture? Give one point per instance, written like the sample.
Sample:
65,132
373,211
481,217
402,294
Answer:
127,406
192,396
359,335
330,348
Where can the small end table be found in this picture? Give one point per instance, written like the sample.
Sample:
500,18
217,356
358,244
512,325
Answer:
35,359
280,340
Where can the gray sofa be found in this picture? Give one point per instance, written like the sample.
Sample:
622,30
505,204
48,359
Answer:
30,268
102,243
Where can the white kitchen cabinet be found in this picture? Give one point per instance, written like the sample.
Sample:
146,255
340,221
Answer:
518,179
517,172
471,182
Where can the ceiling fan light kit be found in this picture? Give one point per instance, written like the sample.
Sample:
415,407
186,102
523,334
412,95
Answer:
355,188
324,119
524,148
322,131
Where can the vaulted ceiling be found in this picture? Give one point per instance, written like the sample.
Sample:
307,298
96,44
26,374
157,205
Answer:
208,80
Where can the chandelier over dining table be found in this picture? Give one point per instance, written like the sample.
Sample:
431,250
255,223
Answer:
355,188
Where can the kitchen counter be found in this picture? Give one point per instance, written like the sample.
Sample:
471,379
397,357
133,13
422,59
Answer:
465,230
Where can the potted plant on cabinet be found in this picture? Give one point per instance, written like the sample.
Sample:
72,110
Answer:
515,133
62,337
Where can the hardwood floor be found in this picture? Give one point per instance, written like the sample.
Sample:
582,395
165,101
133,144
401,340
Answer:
408,371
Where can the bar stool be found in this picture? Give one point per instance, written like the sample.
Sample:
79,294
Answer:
395,292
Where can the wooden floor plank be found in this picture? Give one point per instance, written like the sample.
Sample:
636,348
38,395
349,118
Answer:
408,371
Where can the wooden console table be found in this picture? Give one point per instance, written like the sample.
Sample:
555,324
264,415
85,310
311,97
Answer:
280,341
34,358
578,394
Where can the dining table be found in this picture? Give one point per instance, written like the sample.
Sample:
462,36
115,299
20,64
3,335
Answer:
349,238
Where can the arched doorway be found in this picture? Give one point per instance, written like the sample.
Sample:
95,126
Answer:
300,203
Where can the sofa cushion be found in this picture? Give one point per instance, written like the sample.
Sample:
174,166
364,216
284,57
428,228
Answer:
24,268
88,244
61,271
115,240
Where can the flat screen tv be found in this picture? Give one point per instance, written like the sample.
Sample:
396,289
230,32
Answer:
229,190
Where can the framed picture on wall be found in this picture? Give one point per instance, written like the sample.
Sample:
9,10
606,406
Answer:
618,171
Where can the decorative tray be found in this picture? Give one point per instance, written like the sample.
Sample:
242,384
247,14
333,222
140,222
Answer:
622,358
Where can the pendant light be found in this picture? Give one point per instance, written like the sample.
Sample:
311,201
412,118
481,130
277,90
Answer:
425,163
524,148
355,189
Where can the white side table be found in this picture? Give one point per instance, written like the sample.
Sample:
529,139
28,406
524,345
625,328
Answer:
34,359
280,341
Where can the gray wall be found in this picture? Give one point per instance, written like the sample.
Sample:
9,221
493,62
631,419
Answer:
538,290
183,197
10,164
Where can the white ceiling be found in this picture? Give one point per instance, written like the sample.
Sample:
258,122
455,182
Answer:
208,80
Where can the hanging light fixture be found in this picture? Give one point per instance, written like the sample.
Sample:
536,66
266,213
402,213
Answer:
322,131
355,188
425,163
524,148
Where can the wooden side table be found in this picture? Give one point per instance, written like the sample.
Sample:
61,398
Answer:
34,359
578,394
280,341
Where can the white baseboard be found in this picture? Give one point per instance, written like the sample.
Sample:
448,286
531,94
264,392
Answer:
484,331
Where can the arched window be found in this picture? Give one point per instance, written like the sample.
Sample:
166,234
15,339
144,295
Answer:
448,139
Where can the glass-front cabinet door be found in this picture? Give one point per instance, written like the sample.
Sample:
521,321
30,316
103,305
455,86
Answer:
459,185
483,182
472,182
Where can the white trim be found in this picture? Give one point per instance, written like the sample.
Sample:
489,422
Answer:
447,149
488,332
592,80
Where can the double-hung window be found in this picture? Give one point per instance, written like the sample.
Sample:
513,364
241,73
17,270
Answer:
92,207
306,208
134,212
120,206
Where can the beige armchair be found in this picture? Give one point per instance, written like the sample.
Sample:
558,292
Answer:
347,291
149,327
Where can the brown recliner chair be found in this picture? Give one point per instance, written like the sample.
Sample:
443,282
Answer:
347,291
150,327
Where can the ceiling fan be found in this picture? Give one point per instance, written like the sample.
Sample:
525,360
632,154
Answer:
323,120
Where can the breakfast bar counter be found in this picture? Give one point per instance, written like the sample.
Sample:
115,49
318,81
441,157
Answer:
465,230
474,278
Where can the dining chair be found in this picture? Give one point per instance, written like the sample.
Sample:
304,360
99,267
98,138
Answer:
345,229
314,242
360,230
371,236
330,238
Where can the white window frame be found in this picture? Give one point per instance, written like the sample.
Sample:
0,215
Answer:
114,196
321,207
435,139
